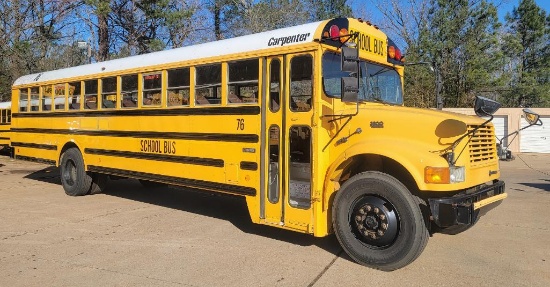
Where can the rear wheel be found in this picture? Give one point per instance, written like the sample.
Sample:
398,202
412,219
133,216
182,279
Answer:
75,180
378,222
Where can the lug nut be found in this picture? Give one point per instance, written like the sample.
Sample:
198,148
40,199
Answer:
384,226
380,233
369,208
382,217
376,210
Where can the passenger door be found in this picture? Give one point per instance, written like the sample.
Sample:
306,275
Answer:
286,196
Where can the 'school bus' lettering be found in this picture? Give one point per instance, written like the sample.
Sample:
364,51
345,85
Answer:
158,146
265,118
369,44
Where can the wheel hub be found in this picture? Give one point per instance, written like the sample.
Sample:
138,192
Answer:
375,221
371,222
69,173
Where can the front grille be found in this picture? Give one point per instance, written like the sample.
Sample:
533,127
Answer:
482,145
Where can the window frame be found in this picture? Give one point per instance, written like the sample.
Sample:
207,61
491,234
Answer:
246,83
36,98
104,94
216,88
59,96
90,95
144,90
133,94
300,108
178,88
77,93
270,82
27,100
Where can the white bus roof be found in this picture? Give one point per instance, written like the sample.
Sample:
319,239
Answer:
280,37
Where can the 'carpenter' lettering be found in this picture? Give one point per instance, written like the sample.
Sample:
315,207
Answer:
281,41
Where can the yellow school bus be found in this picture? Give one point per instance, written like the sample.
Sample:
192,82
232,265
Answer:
5,121
306,122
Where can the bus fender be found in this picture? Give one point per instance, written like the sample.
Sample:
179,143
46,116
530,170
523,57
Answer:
413,162
66,146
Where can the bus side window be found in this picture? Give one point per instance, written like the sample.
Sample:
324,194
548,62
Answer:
152,88
90,95
47,98
208,81
35,97
274,151
108,92
178,87
75,91
275,85
59,97
243,82
301,85
300,167
23,99
129,91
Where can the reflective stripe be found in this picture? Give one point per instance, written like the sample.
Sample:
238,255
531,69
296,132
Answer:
487,201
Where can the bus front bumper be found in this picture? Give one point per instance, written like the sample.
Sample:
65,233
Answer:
466,208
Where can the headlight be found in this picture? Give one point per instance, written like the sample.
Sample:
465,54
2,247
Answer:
458,174
444,175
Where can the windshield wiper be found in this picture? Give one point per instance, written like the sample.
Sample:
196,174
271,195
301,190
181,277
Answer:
381,71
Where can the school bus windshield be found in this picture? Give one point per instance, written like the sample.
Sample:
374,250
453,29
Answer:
377,83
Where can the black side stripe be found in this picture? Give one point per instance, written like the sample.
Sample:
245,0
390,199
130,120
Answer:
33,145
192,183
158,157
249,165
1,138
206,111
246,138
5,124
35,159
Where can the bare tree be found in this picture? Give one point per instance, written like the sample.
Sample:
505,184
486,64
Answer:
31,34
403,18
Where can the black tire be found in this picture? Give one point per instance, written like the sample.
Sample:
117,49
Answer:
99,182
74,178
151,184
378,222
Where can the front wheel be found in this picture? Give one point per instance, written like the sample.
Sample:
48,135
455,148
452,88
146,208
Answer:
378,222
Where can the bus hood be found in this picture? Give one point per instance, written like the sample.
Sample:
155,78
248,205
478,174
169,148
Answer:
435,129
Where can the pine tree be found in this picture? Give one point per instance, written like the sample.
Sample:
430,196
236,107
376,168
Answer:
460,40
526,46
325,9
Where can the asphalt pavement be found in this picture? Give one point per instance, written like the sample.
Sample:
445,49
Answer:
134,236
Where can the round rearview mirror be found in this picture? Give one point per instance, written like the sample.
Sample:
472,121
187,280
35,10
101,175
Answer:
531,117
